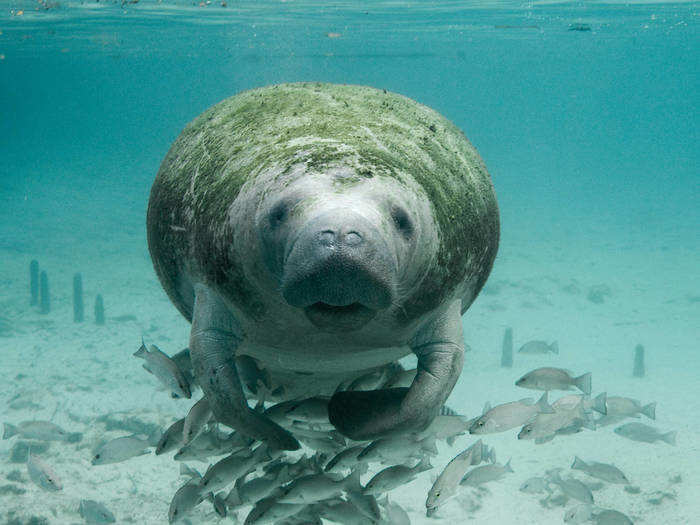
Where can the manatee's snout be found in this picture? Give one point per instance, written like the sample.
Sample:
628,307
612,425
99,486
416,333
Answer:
339,271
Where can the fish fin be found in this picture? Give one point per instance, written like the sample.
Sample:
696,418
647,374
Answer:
583,383
487,407
142,351
145,367
578,464
588,423
543,405
423,465
507,466
600,403
429,446
670,437
649,410
554,348
10,430
451,440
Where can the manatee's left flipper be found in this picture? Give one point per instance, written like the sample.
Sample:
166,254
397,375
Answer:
439,347
213,342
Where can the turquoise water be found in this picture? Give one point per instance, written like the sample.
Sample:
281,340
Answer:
590,136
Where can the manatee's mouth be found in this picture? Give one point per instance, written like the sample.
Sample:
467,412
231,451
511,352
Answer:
339,317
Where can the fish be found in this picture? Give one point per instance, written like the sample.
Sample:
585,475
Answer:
219,504
43,475
311,410
539,347
572,487
447,427
197,417
252,375
645,433
227,470
579,514
270,510
317,487
509,415
184,363
397,449
485,473
395,476
40,430
535,485
165,370
365,503
120,449
598,403
445,486
94,512
604,471
545,426
624,406
248,492
171,438
395,513
611,517
548,378
343,512
345,459
186,498
370,381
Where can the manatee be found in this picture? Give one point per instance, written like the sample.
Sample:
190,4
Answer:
324,231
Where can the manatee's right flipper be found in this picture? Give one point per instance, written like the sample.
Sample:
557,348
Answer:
213,342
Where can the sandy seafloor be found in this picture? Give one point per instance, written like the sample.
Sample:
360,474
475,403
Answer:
77,372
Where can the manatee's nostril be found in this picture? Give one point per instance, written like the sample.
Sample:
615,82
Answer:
352,238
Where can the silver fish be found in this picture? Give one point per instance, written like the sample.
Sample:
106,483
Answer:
445,486
509,415
160,365
624,406
548,378
197,417
40,430
94,512
43,475
343,512
535,485
185,499
317,487
579,514
248,492
572,487
120,449
539,347
604,471
171,438
611,517
645,433
311,410
397,449
485,473
598,403
446,427
270,510
546,425
345,459
395,476
232,467
395,513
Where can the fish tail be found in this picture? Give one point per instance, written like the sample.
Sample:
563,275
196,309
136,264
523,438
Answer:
600,403
670,437
507,466
142,351
578,464
10,430
583,383
554,348
649,410
543,404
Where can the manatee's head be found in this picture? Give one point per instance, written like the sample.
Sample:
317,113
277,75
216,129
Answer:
343,247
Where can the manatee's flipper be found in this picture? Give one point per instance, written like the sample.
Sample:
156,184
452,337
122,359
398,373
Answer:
440,350
213,342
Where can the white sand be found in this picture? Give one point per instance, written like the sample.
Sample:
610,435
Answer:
84,371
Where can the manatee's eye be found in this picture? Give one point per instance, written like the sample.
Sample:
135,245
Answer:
402,221
278,213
